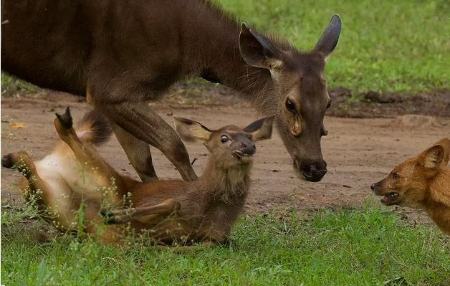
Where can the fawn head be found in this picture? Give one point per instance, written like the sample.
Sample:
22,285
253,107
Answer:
408,183
301,96
229,145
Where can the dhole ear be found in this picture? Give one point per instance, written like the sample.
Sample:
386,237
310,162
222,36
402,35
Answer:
433,157
260,129
257,50
191,131
330,37
445,144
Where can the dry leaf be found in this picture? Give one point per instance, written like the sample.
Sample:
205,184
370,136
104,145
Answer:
17,125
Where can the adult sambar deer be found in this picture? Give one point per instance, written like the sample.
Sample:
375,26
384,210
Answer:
121,54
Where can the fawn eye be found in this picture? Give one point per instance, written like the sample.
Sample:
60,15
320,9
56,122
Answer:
290,105
224,139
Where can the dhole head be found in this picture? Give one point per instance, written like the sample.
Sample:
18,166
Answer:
230,145
408,183
301,93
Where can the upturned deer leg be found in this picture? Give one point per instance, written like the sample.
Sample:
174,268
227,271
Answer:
144,214
142,122
37,188
84,153
99,172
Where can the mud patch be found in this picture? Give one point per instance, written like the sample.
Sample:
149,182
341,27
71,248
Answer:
388,105
359,152
417,121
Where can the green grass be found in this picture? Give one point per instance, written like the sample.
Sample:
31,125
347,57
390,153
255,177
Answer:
346,247
11,85
396,46
388,46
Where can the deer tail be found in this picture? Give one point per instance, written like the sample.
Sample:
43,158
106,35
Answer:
93,128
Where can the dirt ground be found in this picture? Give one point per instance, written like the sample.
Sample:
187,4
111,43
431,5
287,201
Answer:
359,152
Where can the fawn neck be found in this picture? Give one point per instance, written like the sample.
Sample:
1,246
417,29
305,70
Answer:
226,184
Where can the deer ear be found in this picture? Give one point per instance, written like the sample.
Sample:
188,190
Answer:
191,131
257,50
260,129
330,37
433,157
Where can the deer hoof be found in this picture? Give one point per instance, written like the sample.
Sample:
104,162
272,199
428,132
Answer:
8,161
65,119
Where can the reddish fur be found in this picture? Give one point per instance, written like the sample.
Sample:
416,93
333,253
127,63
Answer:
423,182
201,210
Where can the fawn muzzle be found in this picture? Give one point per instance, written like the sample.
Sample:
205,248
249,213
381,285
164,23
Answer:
243,147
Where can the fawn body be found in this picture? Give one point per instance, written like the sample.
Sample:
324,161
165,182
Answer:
421,182
172,210
120,54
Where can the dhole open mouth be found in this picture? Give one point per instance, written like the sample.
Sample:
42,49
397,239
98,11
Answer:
390,198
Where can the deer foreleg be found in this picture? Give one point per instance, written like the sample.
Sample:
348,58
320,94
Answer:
144,214
138,152
142,122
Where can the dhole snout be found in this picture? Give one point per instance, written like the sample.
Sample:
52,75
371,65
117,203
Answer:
409,183
390,196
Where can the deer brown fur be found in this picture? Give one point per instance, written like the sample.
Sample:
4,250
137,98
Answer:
74,175
121,54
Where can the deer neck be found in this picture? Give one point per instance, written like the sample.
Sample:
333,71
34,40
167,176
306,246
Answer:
226,184
213,53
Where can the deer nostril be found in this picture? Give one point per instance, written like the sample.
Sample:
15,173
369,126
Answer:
248,148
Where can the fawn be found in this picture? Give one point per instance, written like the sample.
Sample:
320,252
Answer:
421,182
202,210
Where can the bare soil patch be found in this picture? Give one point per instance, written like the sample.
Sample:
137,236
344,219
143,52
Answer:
359,152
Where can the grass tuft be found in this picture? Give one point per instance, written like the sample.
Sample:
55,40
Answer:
385,46
346,247
395,46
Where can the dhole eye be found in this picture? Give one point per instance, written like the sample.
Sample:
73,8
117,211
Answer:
290,105
224,139
395,176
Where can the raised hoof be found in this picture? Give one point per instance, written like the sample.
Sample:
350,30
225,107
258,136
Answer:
108,216
65,119
8,161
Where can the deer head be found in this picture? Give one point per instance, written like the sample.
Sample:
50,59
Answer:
230,145
301,96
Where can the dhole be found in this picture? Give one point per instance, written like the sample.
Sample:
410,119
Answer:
74,176
421,182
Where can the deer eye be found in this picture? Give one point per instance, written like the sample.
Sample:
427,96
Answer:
224,138
290,105
329,104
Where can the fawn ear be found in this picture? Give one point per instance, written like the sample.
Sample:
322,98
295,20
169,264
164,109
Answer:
191,131
330,37
433,157
260,129
257,50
